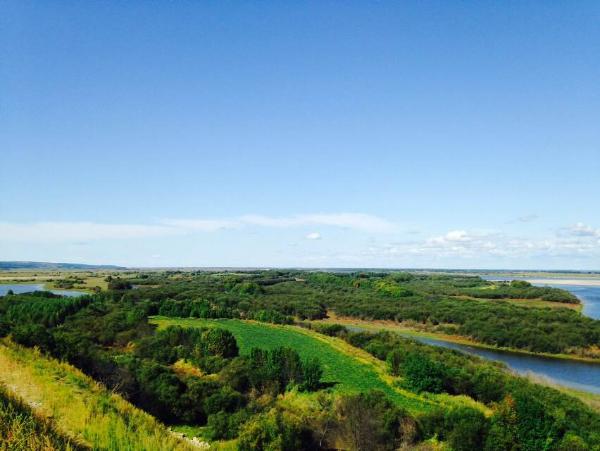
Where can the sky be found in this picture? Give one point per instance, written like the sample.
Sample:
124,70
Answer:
411,134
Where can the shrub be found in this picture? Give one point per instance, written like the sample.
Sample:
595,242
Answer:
423,374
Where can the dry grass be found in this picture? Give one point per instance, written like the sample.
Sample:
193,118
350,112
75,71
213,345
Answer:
80,408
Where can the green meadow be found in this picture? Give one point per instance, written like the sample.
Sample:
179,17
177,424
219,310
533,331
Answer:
346,368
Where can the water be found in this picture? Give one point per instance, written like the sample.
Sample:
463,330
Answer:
570,373
30,287
589,295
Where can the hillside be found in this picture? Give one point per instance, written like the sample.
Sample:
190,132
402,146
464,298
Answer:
80,410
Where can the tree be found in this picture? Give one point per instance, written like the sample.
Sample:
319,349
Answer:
503,429
423,374
369,421
270,432
467,429
394,361
312,374
221,342
572,442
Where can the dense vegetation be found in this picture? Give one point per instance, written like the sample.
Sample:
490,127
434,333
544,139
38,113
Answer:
345,368
540,416
224,382
449,304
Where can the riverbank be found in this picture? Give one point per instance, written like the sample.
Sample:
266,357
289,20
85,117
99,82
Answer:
405,329
591,399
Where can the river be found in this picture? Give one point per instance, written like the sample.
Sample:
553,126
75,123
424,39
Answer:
30,287
571,373
588,294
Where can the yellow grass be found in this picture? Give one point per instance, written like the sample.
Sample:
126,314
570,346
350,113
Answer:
80,407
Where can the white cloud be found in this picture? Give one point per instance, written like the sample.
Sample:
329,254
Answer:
88,231
579,241
356,221
313,236
582,230
528,218
201,225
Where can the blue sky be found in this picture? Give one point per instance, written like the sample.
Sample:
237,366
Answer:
344,134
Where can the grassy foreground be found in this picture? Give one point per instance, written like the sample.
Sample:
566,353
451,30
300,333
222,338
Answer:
348,369
79,408
22,430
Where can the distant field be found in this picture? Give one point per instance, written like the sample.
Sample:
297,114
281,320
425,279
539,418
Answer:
79,407
351,369
90,279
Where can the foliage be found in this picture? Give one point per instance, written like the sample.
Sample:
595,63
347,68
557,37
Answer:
526,415
369,421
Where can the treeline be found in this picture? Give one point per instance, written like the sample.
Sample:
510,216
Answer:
498,323
429,300
525,415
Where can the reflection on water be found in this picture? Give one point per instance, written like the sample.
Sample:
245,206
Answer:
580,375
30,287
570,373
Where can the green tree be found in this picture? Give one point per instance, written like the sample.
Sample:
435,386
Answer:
394,361
467,429
423,374
270,432
313,372
221,342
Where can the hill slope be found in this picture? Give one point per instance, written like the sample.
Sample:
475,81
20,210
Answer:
80,408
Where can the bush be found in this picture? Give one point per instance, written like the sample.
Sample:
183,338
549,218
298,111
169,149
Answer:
370,421
423,374
312,374
467,428
269,431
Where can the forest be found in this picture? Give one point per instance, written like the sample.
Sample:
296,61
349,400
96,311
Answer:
206,377
449,304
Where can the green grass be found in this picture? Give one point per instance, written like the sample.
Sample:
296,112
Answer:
22,430
79,408
350,369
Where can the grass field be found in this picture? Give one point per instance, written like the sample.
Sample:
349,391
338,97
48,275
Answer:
79,407
350,369
22,430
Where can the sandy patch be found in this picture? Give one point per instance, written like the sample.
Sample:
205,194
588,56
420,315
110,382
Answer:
585,282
